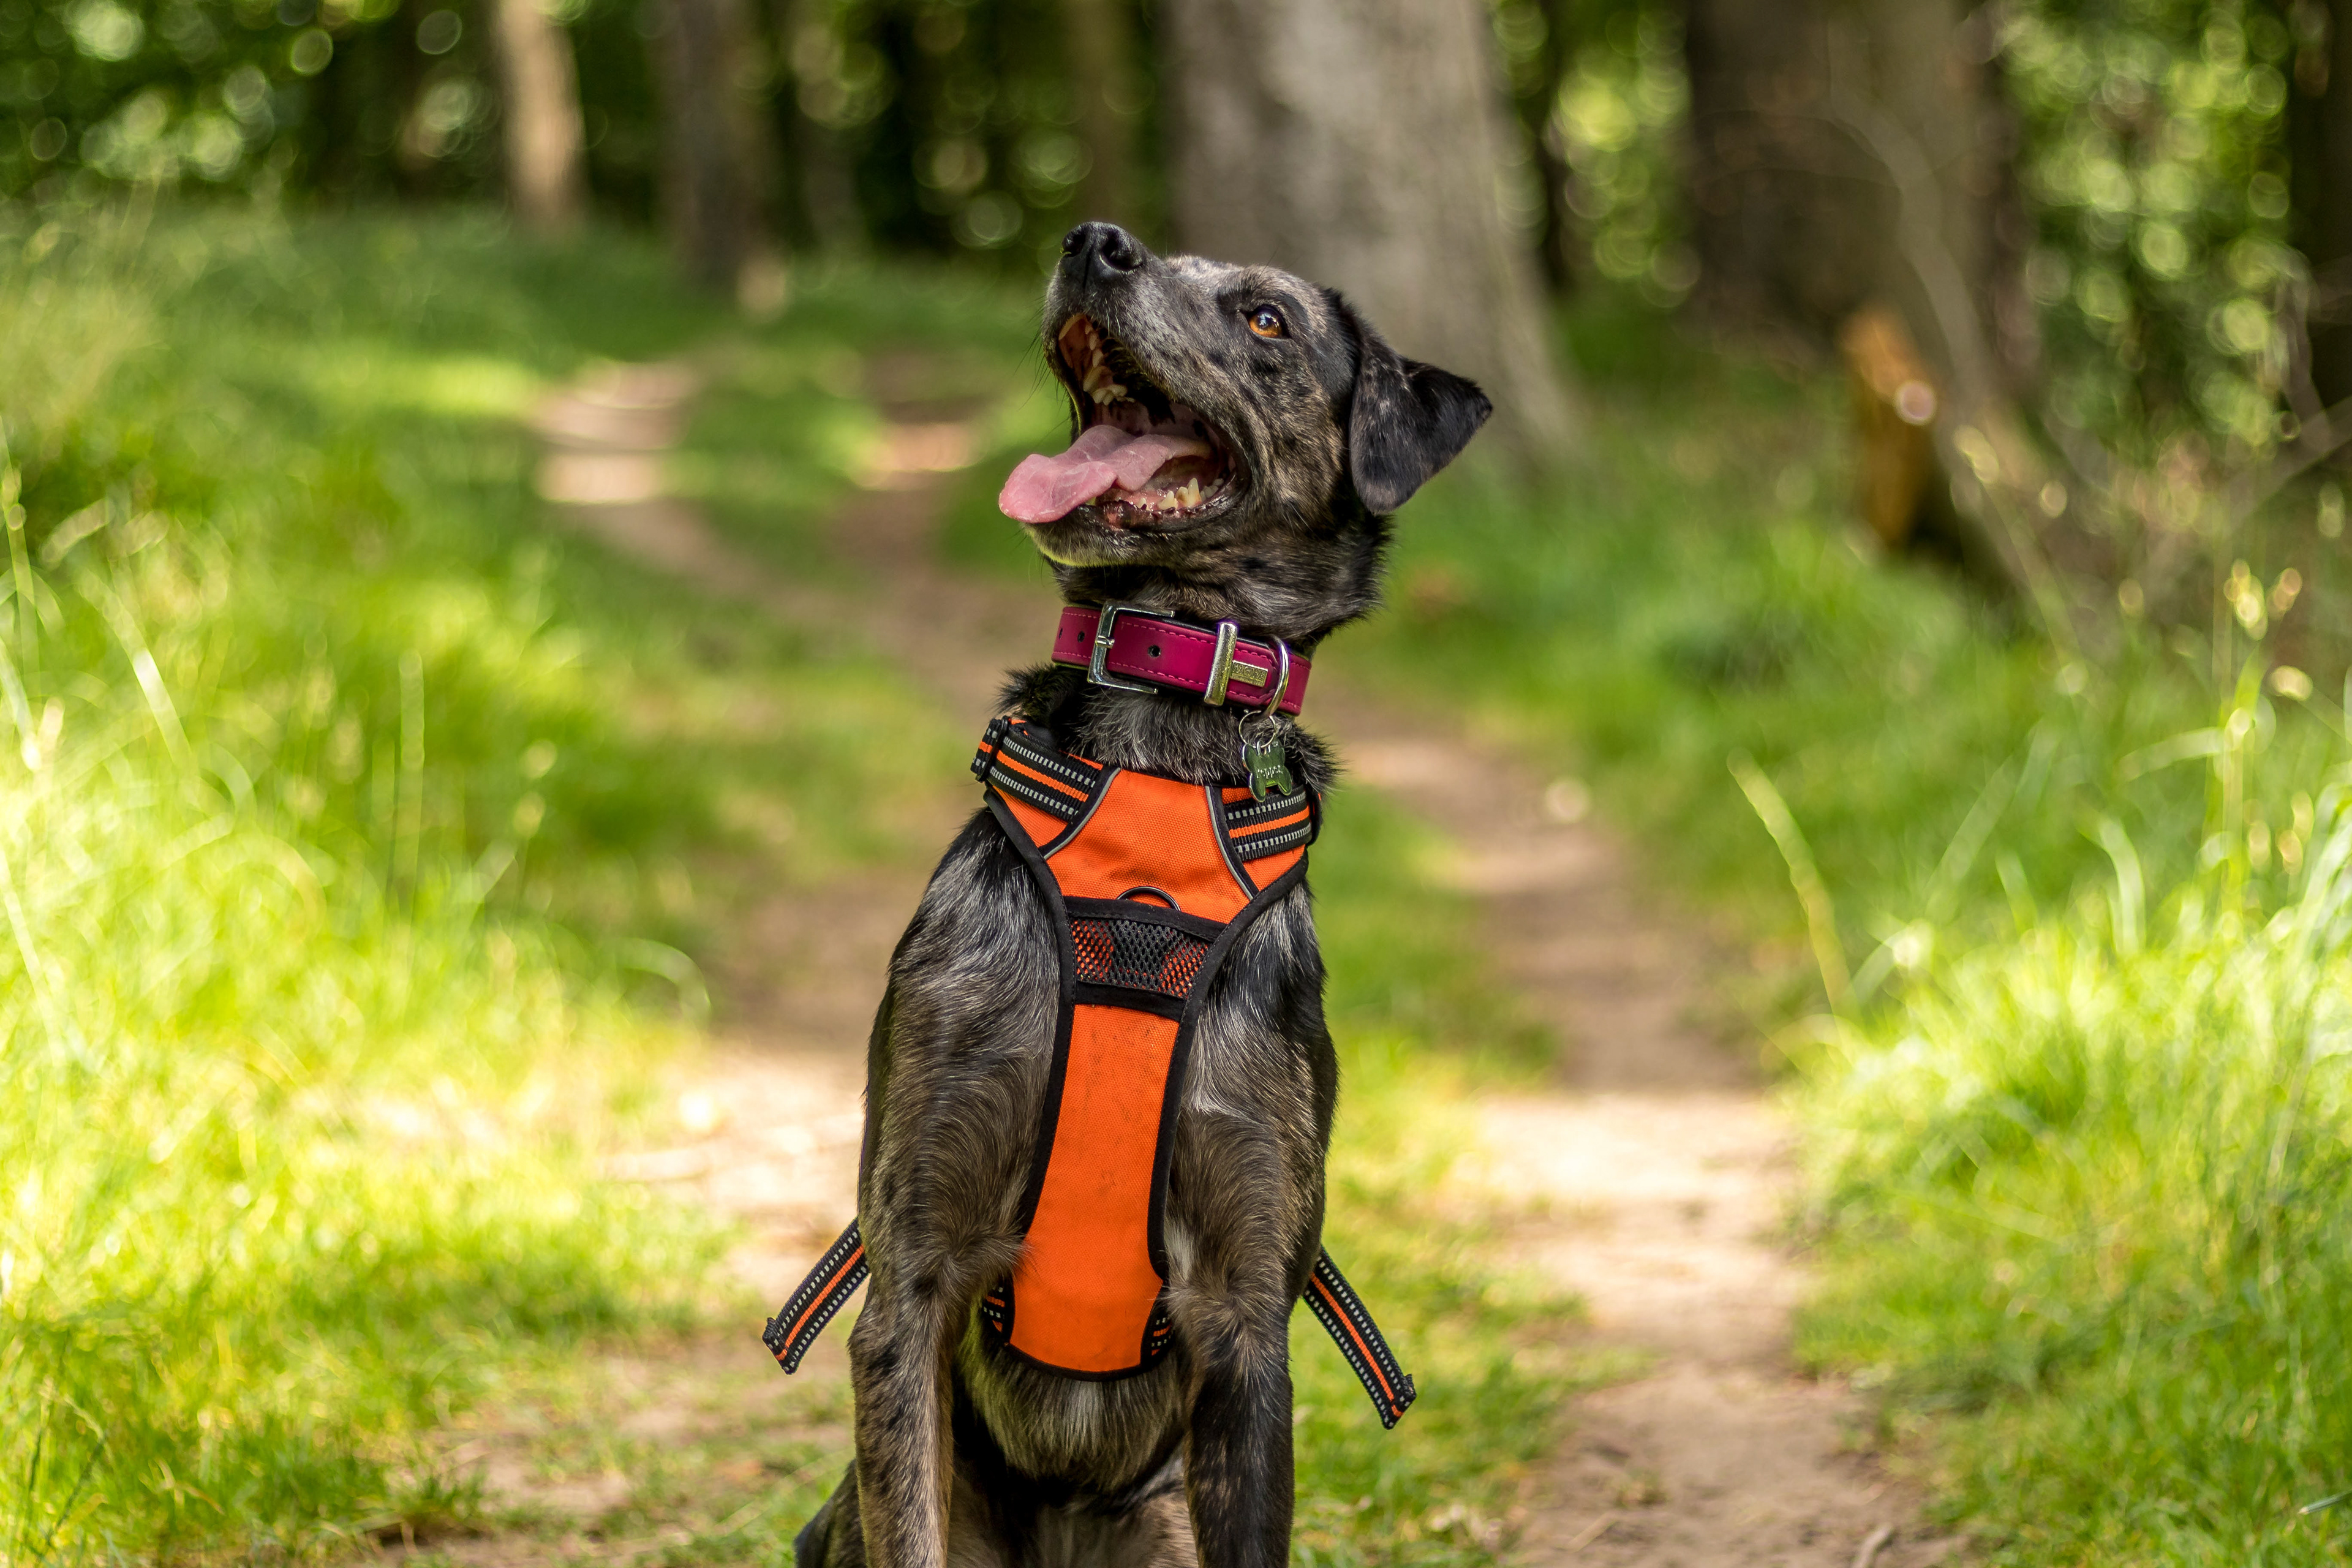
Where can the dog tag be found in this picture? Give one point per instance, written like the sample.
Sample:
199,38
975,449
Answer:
1268,767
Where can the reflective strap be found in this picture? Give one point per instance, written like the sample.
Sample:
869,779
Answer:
1011,762
1334,1301
1259,828
1329,1297
827,1289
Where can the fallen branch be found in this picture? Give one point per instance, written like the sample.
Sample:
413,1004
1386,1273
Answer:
1590,1533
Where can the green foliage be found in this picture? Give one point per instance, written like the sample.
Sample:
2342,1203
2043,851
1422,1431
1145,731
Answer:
146,94
1621,111
960,123
2153,134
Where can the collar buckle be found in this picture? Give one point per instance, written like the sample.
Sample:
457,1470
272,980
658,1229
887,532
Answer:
1097,666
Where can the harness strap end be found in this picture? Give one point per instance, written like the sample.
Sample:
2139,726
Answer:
821,1296
1350,1324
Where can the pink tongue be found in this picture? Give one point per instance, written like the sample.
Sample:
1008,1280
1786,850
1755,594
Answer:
1045,487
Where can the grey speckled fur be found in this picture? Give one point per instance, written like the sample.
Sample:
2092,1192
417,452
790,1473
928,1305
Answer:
966,1455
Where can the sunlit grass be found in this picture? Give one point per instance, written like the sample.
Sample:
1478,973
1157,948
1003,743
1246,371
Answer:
351,827
293,1133
2088,1186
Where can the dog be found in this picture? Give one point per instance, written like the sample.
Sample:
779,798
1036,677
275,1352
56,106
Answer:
1281,431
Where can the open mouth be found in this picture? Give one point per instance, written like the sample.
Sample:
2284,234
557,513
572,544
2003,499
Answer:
1140,459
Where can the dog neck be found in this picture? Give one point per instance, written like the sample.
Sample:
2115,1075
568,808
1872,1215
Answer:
1172,733
1299,594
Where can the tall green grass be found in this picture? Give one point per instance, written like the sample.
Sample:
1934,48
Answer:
291,1134
2089,1187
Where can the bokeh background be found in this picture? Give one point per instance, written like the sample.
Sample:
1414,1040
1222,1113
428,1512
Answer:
1914,521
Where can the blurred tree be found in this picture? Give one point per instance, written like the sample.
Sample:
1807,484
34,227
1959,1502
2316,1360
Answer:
1538,39
1839,153
1103,82
971,126
1364,144
2154,164
718,166
2320,140
1848,180
540,114
816,204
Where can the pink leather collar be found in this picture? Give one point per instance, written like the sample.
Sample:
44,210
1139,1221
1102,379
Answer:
1219,664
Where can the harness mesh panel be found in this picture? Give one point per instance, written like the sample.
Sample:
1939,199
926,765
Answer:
1139,955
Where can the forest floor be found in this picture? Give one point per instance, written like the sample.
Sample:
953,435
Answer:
1650,1174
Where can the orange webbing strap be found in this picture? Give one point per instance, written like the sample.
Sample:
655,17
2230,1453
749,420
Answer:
1341,1311
1329,1297
824,1292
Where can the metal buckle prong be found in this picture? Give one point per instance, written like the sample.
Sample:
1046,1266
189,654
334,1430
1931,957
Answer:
1097,668
1221,664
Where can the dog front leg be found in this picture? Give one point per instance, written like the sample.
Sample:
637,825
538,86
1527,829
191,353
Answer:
1237,1460
899,1368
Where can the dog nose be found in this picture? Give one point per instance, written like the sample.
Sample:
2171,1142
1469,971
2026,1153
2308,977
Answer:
1101,252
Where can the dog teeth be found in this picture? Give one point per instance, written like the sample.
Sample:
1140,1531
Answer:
1190,496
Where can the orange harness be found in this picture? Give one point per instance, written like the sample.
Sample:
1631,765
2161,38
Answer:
1151,881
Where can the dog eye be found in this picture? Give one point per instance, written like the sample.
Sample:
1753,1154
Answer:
1266,322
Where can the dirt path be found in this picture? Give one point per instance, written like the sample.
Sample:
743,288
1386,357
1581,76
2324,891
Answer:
1657,1167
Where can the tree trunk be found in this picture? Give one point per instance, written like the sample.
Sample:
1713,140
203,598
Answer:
1838,157
1535,101
546,151
1362,144
1785,210
1846,163
2320,127
815,192
1102,74
716,168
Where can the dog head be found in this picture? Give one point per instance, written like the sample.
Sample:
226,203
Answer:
1240,436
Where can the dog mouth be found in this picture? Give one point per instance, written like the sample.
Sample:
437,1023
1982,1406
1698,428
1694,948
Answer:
1141,459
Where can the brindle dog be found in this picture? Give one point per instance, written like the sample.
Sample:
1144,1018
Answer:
966,1454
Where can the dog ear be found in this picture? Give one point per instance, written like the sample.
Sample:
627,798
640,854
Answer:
1408,420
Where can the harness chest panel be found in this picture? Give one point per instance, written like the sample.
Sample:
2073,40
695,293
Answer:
1150,881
